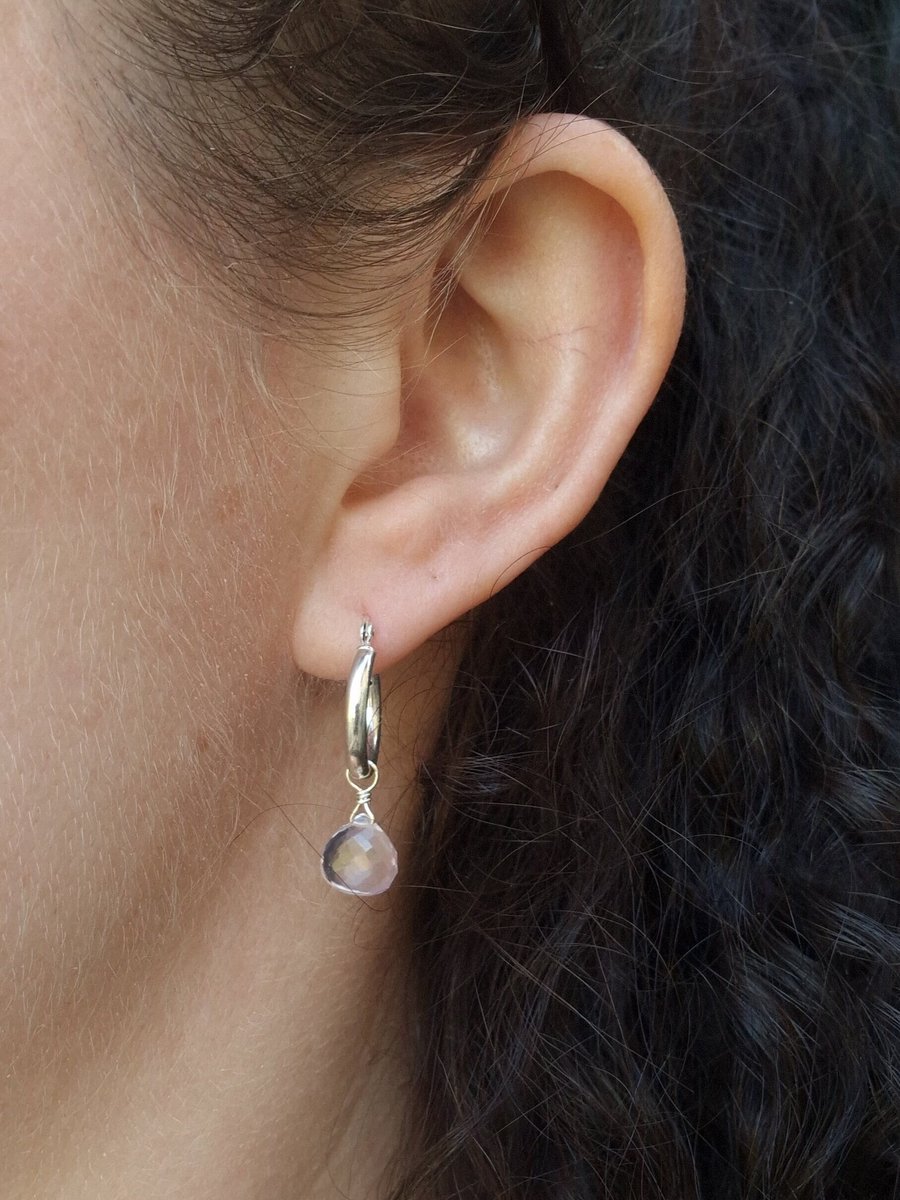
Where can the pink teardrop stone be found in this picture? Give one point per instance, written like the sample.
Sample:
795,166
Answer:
360,859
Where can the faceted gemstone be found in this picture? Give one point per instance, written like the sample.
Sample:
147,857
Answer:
360,859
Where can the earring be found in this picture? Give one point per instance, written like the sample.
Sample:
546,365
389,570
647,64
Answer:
360,858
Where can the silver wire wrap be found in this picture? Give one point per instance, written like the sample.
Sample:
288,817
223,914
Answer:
363,792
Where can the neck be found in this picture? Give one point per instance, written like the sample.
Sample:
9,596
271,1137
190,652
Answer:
262,1051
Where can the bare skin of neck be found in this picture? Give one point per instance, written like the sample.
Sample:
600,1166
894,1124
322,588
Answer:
257,1046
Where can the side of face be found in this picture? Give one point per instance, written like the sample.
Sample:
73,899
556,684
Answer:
196,513
148,504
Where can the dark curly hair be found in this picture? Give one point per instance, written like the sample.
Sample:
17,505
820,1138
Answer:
657,877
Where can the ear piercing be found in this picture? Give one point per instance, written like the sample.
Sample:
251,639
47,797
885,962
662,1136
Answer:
359,858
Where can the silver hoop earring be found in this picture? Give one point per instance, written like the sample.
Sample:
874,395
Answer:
360,858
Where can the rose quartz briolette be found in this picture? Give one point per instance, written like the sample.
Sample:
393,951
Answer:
360,859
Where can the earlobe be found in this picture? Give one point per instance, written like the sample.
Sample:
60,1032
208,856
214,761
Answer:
514,408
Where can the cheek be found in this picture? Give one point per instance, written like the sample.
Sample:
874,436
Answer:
141,622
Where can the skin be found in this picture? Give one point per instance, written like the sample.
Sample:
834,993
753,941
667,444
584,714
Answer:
188,1009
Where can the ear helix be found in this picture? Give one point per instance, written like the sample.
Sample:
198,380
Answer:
359,858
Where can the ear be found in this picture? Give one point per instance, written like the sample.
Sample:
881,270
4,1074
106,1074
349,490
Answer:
491,430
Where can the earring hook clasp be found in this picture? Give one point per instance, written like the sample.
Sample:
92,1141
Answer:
363,707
